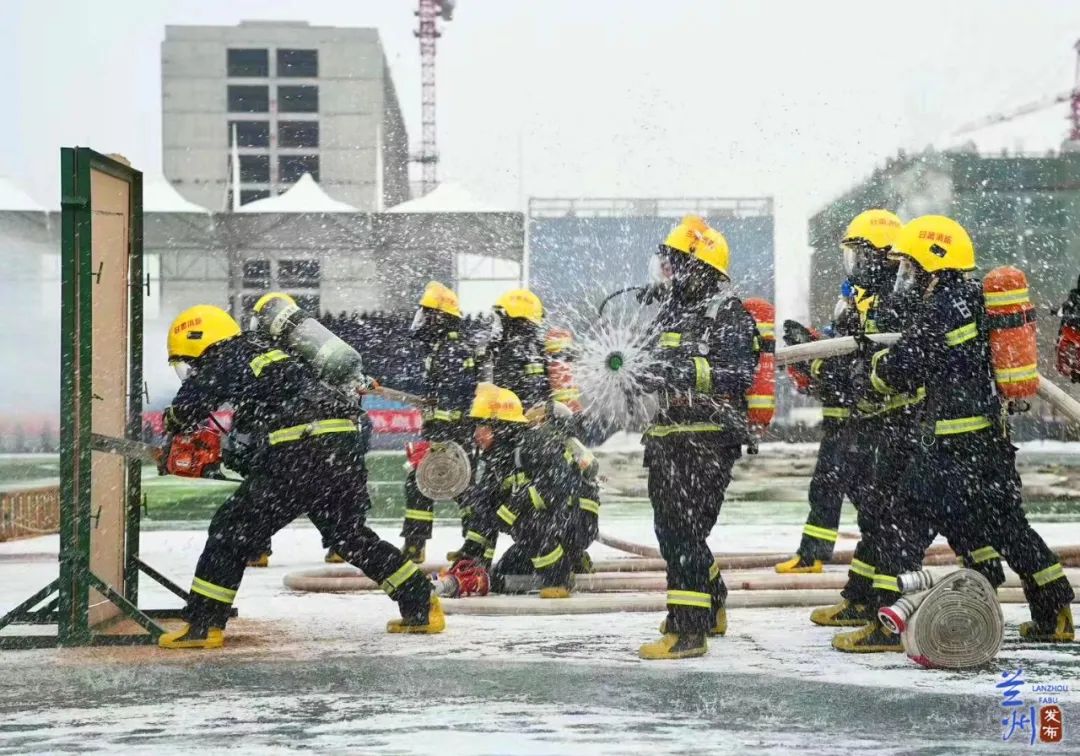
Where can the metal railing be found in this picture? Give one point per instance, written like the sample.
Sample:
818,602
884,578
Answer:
29,513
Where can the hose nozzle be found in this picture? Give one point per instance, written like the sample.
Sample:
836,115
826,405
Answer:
614,361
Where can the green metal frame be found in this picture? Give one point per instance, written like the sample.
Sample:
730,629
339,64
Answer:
68,596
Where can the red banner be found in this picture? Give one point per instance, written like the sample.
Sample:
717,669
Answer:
395,421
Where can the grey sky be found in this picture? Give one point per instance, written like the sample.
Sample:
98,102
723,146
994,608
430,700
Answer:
673,98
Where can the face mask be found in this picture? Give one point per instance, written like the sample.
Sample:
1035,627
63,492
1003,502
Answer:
253,322
183,369
497,327
418,322
660,270
906,277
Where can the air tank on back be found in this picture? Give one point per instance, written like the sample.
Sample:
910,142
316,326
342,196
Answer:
335,362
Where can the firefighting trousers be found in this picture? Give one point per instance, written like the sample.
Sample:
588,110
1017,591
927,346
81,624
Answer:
967,488
833,477
323,477
687,481
578,529
879,454
539,529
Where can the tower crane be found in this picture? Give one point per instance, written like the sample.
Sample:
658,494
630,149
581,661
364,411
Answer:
1072,97
428,14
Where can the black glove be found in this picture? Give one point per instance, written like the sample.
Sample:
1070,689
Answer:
796,333
651,293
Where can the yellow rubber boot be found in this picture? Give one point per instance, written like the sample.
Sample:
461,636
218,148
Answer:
187,637
875,638
719,627
799,566
1063,630
844,614
436,621
332,557
674,646
262,560
555,592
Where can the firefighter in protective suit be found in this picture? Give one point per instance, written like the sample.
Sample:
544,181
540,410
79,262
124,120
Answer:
308,458
514,359
449,383
835,473
703,364
542,495
962,481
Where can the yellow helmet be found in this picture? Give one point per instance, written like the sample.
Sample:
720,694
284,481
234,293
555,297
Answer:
878,228
494,403
441,298
713,251
522,303
686,236
197,329
934,243
269,297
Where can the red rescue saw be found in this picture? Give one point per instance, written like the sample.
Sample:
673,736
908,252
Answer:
188,455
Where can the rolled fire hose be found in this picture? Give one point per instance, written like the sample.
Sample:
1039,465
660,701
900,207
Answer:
956,624
825,348
444,472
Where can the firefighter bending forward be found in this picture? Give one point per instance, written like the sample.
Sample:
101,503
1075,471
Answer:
309,458
703,365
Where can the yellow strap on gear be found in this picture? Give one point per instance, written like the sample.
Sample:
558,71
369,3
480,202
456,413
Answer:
863,569
886,583
894,402
714,571
421,515
702,375
566,395
822,534
760,401
767,330
507,515
671,339
259,363
659,431
548,559
316,428
396,580
816,367
514,479
1005,298
1016,374
1049,575
689,598
534,368
448,416
960,425
475,537
536,499
554,344
589,505
870,326
962,335
468,362
836,413
879,385
489,553
211,591
985,554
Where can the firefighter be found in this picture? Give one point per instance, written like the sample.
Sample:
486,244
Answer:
1068,340
449,382
703,365
516,349
544,497
834,475
962,481
308,457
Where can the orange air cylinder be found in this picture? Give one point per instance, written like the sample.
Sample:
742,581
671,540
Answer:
558,344
761,398
1014,350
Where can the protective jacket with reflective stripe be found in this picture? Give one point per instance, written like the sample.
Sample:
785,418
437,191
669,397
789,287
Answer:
449,381
947,350
267,389
705,354
518,363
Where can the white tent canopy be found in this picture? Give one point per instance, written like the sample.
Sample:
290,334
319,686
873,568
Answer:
14,198
447,197
305,196
159,196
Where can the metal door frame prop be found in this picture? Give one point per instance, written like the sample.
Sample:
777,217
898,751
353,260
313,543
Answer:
65,602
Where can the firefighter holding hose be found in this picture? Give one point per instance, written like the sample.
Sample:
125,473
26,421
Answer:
308,457
449,383
962,480
703,364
